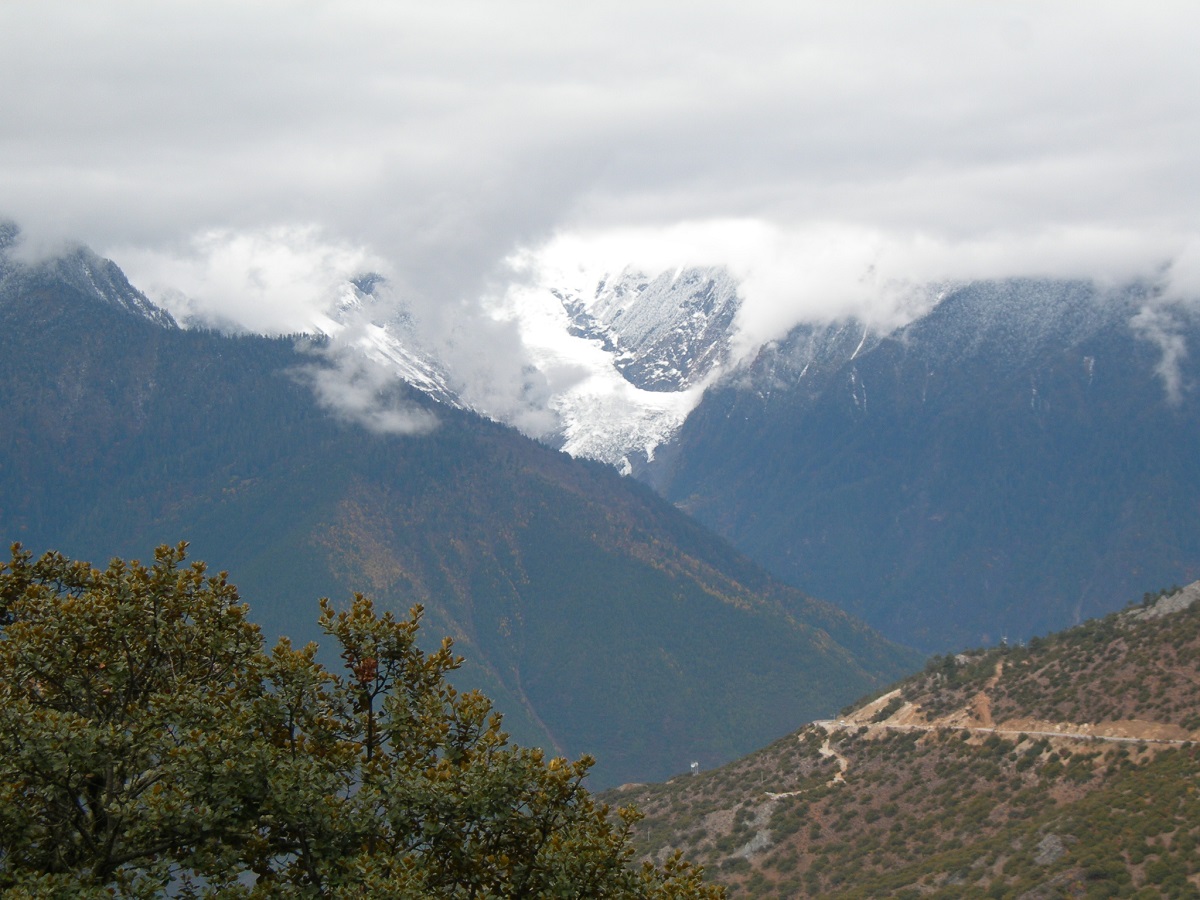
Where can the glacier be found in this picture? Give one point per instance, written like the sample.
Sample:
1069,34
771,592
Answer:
642,350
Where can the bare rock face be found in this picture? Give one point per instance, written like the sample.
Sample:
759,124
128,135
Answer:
1050,850
667,332
1170,603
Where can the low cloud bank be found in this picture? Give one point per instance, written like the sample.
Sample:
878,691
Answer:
359,390
275,280
295,279
819,273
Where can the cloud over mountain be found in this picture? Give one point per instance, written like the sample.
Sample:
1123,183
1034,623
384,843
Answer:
248,157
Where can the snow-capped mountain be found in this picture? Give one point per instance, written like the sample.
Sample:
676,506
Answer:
629,355
1022,456
806,357
666,333
893,468
561,583
621,369
81,270
1016,320
614,378
387,335
1010,322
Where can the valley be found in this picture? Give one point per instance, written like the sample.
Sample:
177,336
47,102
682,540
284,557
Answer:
603,619
598,617
630,450
1019,456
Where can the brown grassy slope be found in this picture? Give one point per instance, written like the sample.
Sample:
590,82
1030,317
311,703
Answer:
1061,769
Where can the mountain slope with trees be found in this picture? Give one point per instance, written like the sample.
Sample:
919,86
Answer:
1023,457
1065,768
599,618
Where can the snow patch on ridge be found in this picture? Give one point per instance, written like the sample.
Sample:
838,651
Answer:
667,332
628,356
392,343
616,422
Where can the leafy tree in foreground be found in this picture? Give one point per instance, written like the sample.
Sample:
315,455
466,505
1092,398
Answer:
150,745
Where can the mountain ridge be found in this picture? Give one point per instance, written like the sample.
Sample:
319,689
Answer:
989,468
598,616
666,333
79,268
1000,446
977,474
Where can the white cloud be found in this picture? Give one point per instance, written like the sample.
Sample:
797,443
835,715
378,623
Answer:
357,390
828,271
1182,275
273,281
251,154
1158,324
467,126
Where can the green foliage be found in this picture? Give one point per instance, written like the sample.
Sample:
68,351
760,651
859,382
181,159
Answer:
889,709
597,616
149,744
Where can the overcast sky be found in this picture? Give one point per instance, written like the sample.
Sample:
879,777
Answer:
252,154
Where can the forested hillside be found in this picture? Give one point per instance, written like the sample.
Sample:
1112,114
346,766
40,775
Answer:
1023,457
598,617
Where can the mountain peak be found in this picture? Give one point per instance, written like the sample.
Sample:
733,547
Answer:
667,332
83,271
